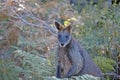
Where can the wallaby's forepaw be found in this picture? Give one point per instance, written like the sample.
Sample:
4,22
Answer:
58,76
67,76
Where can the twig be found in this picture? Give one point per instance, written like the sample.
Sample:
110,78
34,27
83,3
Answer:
112,74
46,26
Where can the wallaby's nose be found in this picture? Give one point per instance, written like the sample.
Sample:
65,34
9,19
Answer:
62,44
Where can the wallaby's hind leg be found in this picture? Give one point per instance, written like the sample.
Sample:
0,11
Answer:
71,71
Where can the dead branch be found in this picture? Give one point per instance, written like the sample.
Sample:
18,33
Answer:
41,22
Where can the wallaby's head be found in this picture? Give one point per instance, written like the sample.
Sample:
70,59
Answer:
64,35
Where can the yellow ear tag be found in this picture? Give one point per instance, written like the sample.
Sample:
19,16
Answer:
67,22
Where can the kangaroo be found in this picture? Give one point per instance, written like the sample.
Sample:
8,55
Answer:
72,59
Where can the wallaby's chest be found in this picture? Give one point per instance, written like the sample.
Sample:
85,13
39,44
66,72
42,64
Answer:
64,61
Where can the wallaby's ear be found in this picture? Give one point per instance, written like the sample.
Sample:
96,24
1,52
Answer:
58,25
68,28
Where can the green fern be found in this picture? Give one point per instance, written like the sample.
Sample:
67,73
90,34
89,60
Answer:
105,64
7,71
83,77
34,67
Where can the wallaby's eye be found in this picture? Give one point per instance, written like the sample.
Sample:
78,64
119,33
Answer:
59,36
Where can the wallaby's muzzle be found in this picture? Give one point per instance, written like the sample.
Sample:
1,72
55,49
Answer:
62,44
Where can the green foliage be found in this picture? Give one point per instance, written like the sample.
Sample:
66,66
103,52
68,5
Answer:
1,31
7,70
24,65
83,77
33,66
100,29
105,64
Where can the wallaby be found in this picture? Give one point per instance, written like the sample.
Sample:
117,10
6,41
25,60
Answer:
72,59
